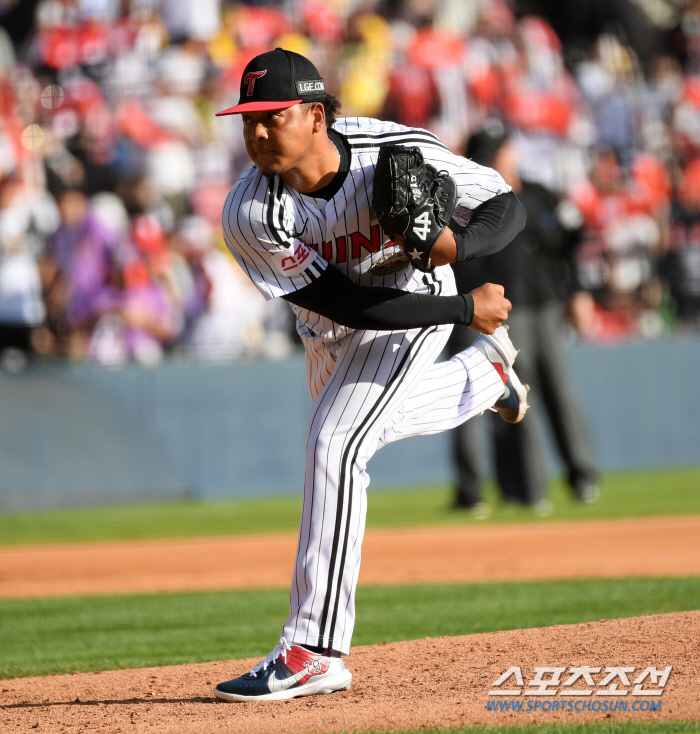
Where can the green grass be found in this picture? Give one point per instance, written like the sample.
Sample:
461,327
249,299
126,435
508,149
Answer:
630,494
608,727
43,636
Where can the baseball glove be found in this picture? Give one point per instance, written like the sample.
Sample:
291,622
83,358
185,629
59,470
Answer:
413,199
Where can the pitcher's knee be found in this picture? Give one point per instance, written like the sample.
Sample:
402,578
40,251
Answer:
324,445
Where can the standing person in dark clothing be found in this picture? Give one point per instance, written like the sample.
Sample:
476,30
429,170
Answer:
534,273
681,266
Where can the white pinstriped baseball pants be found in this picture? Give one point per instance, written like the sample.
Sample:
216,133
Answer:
384,387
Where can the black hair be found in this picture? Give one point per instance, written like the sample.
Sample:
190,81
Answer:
331,106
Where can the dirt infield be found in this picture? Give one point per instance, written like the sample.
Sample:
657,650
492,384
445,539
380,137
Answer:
528,551
423,683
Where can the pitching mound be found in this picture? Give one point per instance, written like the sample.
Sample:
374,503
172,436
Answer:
432,682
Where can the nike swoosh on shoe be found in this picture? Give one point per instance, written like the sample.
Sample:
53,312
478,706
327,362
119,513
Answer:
276,684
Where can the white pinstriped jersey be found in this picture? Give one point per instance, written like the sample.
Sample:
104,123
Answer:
284,239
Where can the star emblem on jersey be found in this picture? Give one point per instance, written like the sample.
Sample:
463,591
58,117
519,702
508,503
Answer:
287,672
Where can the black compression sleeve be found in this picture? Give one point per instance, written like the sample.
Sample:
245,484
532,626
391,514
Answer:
337,297
492,226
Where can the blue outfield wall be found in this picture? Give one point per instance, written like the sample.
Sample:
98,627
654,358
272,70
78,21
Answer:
73,434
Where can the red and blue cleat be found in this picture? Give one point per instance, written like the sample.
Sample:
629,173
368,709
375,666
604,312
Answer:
500,352
287,672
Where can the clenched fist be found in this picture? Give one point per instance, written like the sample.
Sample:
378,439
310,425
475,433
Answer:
491,307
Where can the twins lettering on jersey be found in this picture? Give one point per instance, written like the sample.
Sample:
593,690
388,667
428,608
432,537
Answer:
339,245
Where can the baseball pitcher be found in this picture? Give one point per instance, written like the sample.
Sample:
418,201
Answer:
354,222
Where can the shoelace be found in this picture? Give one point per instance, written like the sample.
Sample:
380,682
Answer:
281,648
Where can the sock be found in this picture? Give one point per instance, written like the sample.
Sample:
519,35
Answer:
317,650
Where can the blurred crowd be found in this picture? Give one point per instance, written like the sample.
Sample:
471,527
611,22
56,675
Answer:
113,168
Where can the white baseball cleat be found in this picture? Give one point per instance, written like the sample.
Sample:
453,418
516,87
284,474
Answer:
500,352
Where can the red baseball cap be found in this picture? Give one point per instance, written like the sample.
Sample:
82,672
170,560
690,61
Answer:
275,80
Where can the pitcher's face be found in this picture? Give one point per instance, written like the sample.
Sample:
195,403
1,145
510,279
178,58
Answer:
277,140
